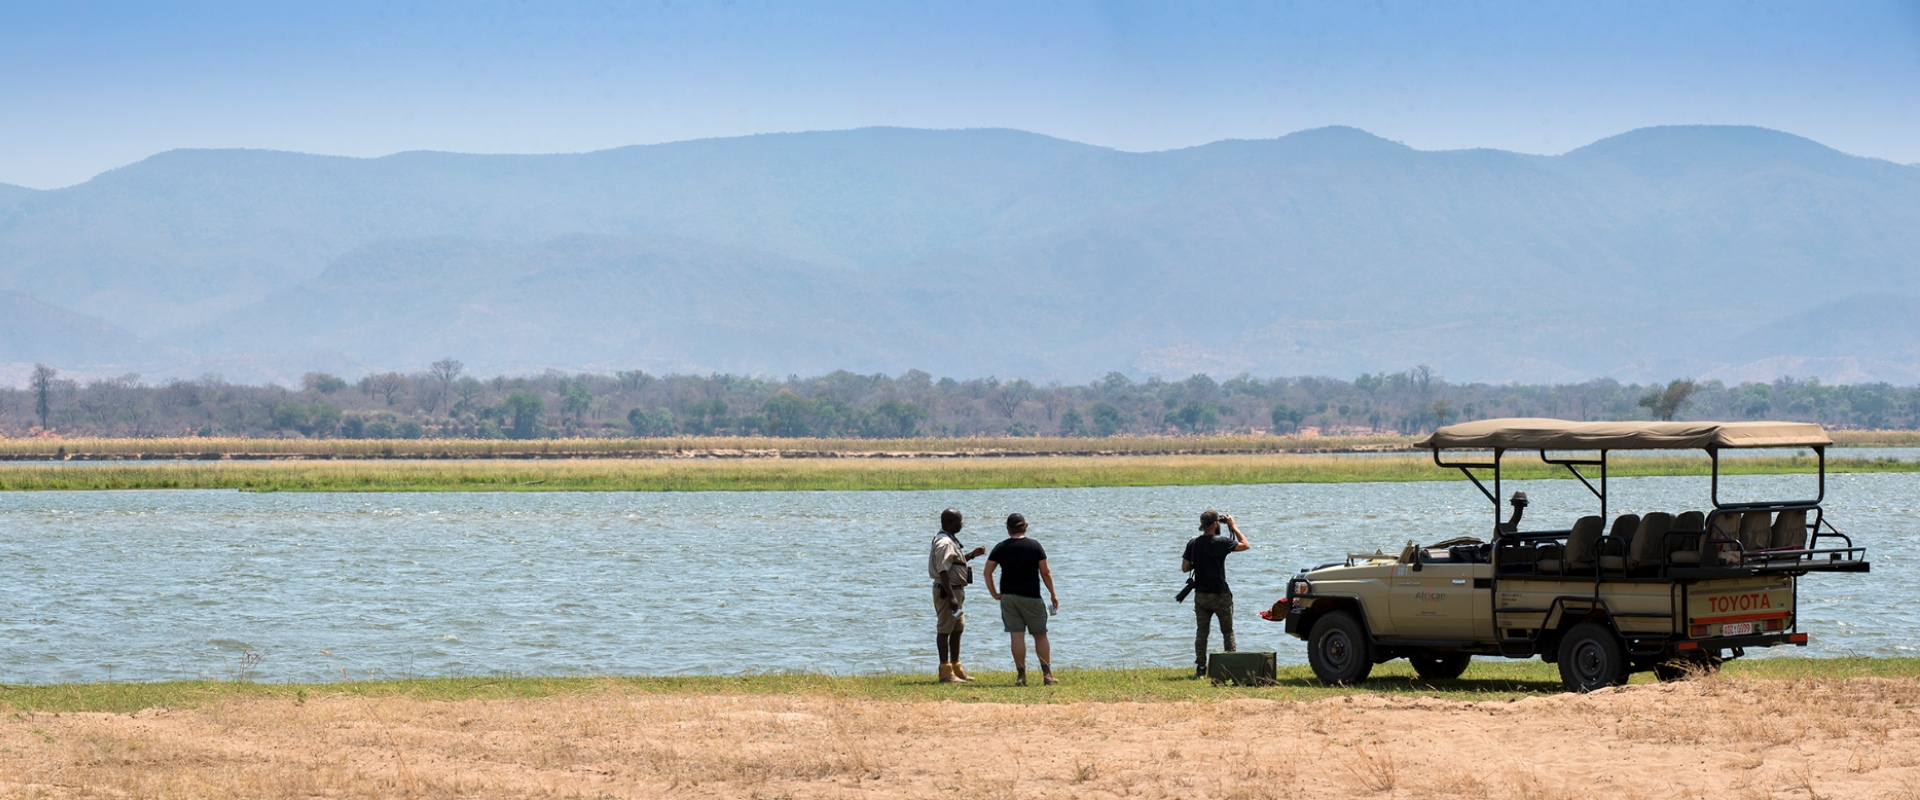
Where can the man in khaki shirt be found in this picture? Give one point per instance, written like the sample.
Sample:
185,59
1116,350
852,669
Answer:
947,566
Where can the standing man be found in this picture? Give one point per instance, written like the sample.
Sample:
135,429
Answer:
1020,606
947,565
1206,558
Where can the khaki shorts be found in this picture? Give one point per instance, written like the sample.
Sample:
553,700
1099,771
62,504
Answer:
947,616
1023,614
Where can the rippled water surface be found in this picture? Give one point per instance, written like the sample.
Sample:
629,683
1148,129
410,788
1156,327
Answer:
162,585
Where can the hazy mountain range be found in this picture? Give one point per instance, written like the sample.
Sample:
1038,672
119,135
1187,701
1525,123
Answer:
1731,252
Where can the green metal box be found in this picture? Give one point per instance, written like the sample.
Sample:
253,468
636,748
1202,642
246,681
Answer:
1241,669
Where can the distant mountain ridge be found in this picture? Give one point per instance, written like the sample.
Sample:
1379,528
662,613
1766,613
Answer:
975,252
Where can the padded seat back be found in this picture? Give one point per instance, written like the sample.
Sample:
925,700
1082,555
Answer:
1577,553
1624,528
1686,549
1613,555
1790,529
1725,527
1648,540
1756,530
1581,541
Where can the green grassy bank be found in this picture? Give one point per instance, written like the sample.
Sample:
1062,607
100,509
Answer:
1485,680
828,474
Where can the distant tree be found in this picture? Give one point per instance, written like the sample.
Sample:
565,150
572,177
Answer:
704,416
787,414
894,418
446,371
1285,418
289,415
525,409
1072,424
1195,417
1423,378
633,380
1753,401
1665,403
466,388
1107,420
1054,401
390,386
655,422
321,382
1442,411
1007,398
323,420
41,385
575,399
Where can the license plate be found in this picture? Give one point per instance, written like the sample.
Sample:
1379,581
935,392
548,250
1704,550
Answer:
1736,629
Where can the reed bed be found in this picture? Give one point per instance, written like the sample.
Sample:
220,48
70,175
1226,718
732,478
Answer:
646,475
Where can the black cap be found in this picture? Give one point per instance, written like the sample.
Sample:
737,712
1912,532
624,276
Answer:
1208,518
1015,522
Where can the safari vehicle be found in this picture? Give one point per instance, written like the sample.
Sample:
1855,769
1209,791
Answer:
1668,591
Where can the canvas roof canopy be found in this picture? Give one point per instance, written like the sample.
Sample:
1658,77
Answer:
1559,434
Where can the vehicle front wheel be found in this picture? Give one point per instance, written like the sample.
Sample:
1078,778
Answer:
1591,658
1338,651
1440,666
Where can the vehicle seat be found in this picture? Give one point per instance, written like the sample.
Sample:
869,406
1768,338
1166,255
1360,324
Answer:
1756,531
1616,556
1725,527
1578,553
1790,530
1648,540
1686,549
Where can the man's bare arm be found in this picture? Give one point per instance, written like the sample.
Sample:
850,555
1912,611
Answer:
1046,575
1186,566
991,566
1239,539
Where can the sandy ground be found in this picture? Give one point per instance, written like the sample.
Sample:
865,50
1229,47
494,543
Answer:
1706,739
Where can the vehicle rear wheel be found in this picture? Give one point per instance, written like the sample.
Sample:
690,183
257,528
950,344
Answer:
1591,658
1338,651
1440,666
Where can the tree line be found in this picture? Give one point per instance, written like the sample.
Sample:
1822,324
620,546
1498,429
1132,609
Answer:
444,401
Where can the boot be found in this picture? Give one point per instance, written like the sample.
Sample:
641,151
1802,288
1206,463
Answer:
946,674
960,674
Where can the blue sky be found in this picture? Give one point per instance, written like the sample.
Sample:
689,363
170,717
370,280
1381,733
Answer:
86,87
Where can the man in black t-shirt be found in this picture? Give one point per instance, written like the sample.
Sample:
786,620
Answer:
1019,595
1206,558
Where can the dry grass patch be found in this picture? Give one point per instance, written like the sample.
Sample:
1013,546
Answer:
1742,738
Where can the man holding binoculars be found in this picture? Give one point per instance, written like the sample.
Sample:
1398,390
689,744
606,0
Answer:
1206,558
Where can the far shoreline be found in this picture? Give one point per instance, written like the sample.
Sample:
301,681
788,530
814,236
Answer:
840,474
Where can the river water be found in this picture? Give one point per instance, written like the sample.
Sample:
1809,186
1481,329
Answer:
158,585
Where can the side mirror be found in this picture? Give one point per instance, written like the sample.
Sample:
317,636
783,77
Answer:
1419,558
